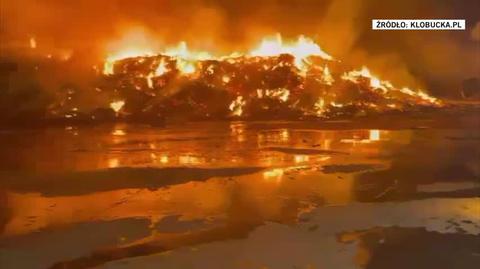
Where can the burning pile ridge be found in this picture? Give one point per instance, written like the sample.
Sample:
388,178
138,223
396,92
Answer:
274,80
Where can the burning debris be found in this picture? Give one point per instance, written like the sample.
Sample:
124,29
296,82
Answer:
276,80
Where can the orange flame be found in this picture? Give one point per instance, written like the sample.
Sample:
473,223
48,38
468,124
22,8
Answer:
237,106
117,105
301,50
161,68
189,63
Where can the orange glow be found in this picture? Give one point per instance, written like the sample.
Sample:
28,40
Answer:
117,105
301,49
275,174
319,106
374,135
134,43
237,106
375,82
33,43
161,69
327,77
386,86
305,54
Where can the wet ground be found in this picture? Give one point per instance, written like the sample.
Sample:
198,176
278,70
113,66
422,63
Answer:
239,195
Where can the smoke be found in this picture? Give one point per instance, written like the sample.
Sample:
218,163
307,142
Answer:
475,33
87,30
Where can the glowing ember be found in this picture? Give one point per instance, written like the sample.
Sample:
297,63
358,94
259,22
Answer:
327,77
161,69
226,79
150,80
281,94
237,106
117,105
319,106
186,67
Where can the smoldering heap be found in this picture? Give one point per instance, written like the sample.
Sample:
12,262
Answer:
275,81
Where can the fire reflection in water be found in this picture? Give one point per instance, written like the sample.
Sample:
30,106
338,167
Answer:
365,138
118,132
374,135
113,163
164,159
190,160
296,174
274,175
301,158
238,131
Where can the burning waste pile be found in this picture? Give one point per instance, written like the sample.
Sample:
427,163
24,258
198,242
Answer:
277,80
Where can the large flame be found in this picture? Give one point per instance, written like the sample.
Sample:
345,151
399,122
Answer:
108,66
375,82
386,86
301,49
263,73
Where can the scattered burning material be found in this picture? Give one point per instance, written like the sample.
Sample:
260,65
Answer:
275,80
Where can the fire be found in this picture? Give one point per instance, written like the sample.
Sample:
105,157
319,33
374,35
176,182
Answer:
319,106
161,68
186,59
181,51
237,106
302,49
279,71
149,78
186,67
375,82
108,67
226,79
281,94
135,42
386,86
420,94
327,77
117,105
